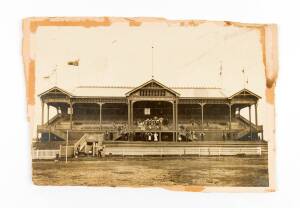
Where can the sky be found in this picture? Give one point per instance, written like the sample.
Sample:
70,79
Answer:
120,55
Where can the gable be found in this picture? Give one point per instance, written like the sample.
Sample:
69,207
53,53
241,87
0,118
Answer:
152,88
55,92
245,94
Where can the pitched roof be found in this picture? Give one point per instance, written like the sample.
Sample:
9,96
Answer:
55,88
152,81
245,91
202,92
122,91
101,91
185,92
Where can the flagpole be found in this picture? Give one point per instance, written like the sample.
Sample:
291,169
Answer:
243,71
152,67
221,74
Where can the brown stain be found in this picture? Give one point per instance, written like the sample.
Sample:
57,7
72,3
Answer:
31,82
29,66
194,188
188,23
227,23
32,24
270,94
270,190
134,22
193,23
263,46
185,188
271,65
270,73
93,22
259,27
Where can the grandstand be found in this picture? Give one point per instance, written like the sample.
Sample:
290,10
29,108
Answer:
149,113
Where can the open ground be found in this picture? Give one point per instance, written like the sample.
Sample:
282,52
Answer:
235,171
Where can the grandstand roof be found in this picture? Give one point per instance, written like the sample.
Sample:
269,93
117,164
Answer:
122,91
101,91
106,91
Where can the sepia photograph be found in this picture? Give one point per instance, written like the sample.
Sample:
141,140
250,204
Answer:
151,102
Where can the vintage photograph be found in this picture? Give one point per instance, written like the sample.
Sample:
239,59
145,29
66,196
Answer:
150,102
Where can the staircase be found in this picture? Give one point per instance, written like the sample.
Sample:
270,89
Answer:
246,122
81,143
55,119
116,136
244,133
58,133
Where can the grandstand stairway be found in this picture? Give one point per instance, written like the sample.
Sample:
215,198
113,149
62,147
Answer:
83,144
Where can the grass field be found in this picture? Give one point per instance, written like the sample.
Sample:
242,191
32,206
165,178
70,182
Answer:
154,171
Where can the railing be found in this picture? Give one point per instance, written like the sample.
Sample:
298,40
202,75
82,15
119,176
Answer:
81,142
246,121
44,154
199,151
57,116
42,127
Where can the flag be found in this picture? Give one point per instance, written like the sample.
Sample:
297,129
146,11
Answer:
74,63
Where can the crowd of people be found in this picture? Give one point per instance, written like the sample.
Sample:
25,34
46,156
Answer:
155,123
121,127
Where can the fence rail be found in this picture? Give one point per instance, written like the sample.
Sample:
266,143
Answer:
156,151
160,151
44,154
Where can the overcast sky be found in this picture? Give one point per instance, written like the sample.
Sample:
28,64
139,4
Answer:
122,55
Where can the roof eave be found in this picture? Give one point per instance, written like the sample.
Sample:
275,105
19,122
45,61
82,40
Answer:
55,87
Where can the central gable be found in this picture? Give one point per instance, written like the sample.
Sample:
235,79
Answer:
152,88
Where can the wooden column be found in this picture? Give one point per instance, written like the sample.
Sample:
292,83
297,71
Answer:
250,122
256,123
229,117
71,115
42,121
48,114
174,122
100,115
128,115
202,116
131,114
